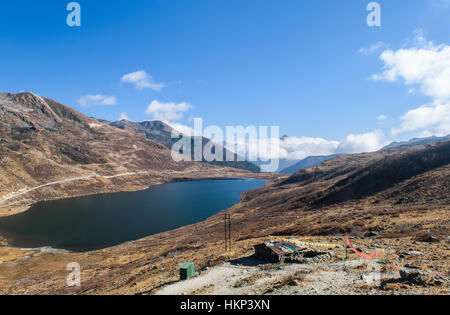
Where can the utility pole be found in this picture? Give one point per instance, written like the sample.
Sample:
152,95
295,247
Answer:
227,232
316,172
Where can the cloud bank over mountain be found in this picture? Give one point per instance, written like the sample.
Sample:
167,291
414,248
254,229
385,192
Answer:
425,67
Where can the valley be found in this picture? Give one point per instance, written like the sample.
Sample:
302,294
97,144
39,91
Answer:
100,221
395,198
49,151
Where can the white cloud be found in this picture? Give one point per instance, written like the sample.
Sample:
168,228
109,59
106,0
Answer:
372,49
123,116
366,142
382,117
168,112
289,148
142,80
88,100
428,119
293,148
426,68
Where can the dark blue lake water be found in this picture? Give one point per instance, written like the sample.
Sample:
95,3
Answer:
100,221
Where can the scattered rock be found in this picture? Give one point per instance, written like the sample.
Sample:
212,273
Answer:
371,234
414,253
412,276
367,278
430,239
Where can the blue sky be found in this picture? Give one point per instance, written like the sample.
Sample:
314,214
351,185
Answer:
301,65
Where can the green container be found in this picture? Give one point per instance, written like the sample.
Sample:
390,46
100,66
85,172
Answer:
187,270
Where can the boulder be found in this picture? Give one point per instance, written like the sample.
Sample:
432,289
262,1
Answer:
414,253
413,276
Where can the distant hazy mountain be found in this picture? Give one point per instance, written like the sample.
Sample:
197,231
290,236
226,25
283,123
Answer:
310,161
292,167
417,141
160,132
282,163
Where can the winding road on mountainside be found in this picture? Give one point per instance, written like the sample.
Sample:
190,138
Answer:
88,177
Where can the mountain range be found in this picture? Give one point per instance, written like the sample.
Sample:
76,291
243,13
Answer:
396,175
162,133
308,162
397,196
418,141
49,150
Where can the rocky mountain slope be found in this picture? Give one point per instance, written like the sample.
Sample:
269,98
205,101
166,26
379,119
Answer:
160,132
49,150
362,177
418,141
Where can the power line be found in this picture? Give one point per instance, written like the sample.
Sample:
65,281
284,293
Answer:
227,232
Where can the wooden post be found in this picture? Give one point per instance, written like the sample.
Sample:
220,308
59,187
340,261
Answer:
227,232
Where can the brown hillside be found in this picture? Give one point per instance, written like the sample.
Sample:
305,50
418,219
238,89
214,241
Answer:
360,176
43,141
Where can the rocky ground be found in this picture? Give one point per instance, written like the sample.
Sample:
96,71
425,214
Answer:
331,272
149,266
333,278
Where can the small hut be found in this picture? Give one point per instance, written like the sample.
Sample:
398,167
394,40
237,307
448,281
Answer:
187,270
276,251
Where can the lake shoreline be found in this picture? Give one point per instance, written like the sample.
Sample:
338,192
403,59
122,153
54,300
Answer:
24,242
147,181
